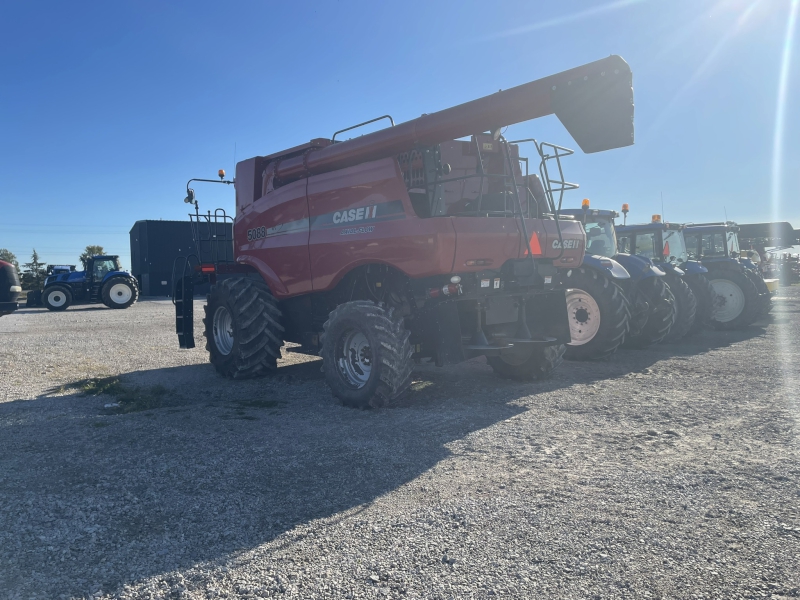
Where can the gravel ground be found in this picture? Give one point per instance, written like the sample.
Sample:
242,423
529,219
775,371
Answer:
671,472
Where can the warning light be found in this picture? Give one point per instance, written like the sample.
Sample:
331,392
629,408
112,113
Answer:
656,218
585,204
625,209
222,173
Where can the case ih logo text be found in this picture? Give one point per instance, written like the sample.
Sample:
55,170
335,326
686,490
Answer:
355,214
568,244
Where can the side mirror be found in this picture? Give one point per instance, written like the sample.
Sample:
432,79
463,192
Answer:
189,196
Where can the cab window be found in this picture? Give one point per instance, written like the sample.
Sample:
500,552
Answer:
102,267
624,244
714,245
645,245
691,246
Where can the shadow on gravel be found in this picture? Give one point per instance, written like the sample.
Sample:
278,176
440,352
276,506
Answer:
626,361
90,501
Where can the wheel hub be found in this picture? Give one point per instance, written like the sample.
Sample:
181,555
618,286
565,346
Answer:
730,300
120,293
56,298
584,312
354,358
223,330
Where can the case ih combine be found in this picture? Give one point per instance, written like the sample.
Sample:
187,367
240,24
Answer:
405,244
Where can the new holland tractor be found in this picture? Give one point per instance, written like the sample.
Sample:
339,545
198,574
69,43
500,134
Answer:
402,245
596,312
102,281
664,244
742,294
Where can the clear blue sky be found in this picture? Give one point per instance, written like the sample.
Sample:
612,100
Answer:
107,108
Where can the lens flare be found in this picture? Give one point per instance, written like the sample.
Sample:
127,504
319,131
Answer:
780,111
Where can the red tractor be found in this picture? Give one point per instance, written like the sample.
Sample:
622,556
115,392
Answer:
406,244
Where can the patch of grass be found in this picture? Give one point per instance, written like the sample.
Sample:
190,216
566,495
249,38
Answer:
129,398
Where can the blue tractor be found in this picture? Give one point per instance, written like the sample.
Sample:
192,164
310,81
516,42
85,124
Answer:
741,292
102,281
664,244
596,317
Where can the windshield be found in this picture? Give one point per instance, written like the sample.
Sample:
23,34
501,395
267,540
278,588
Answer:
733,243
674,246
600,237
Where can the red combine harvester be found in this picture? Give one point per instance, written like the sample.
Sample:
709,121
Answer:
405,244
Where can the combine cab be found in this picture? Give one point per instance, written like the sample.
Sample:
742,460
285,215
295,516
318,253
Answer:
403,245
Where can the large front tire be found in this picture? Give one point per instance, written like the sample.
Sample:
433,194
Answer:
738,300
706,301
685,308
120,292
660,315
366,354
528,362
243,328
598,315
57,298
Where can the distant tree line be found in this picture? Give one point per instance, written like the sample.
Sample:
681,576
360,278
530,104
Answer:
33,273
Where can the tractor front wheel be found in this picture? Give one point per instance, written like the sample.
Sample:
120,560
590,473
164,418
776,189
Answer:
243,328
528,362
660,315
739,302
685,308
598,314
119,292
57,298
706,301
366,354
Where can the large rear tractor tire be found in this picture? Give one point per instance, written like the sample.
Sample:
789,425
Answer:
685,308
764,295
738,306
120,292
706,301
366,354
243,328
598,314
57,298
660,315
528,362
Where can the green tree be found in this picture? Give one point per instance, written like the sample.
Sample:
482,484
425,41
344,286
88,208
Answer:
9,257
35,273
88,253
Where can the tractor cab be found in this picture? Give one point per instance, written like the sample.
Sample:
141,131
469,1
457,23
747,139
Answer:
97,267
739,281
713,242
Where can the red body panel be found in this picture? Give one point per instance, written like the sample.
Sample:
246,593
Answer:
393,236
272,235
308,234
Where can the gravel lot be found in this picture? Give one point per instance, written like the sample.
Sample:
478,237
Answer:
671,472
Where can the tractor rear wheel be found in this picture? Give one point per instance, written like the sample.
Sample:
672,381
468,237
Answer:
764,295
598,314
119,292
57,298
738,305
685,308
366,354
706,301
243,328
660,314
528,362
